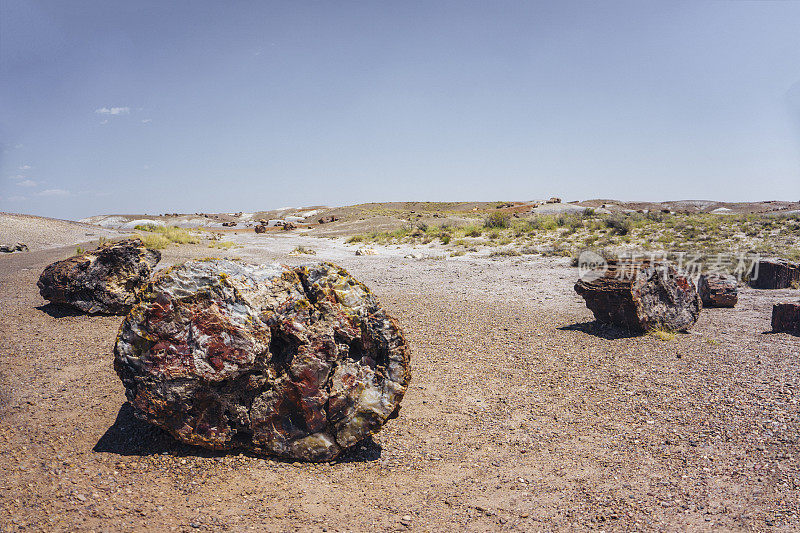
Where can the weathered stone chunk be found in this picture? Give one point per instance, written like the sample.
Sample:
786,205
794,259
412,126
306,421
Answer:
786,318
296,362
718,290
642,296
107,280
774,274
11,248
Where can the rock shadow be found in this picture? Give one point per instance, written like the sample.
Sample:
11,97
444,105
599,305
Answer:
59,310
130,436
599,329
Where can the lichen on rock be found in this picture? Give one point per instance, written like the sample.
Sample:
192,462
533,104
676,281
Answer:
296,362
107,280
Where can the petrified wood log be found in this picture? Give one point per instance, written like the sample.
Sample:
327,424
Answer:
107,280
296,362
642,296
774,274
718,290
786,317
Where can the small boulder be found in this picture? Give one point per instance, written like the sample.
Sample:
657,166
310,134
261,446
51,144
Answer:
107,280
11,248
366,251
718,290
786,318
774,274
301,363
641,296
261,228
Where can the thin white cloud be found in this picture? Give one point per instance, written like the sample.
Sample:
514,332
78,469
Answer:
26,183
17,198
54,192
17,177
105,121
25,167
113,110
147,121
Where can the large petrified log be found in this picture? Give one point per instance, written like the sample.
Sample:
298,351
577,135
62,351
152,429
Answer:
786,317
107,280
718,290
642,296
774,274
297,362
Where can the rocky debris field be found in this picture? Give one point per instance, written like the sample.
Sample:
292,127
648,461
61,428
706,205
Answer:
524,414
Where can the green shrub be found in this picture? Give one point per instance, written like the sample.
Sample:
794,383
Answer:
497,220
473,231
168,234
619,224
505,253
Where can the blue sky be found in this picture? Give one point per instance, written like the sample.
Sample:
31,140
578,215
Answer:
133,107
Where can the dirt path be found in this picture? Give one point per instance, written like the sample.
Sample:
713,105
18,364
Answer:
522,416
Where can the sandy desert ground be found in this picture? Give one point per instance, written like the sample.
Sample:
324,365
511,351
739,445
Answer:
523,415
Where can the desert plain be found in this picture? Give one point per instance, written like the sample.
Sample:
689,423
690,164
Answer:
523,414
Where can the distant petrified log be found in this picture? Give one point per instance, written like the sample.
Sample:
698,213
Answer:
774,274
300,363
786,317
107,280
11,248
718,290
642,296
261,228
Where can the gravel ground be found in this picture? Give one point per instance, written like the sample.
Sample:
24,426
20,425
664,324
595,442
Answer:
523,415
42,233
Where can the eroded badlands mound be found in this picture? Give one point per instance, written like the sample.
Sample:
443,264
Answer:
296,362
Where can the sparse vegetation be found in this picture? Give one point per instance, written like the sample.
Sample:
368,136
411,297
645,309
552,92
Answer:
701,236
302,250
221,245
497,220
159,237
505,253
662,334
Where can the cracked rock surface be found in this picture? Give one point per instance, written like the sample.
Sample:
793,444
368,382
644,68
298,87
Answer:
297,362
718,290
642,296
786,318
107,280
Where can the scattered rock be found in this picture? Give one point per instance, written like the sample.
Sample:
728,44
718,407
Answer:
554,200
288,226
107,280
642,296
229,224
261,228
296,362
718,290
11,248
786,318
414,255
774,274
366,251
